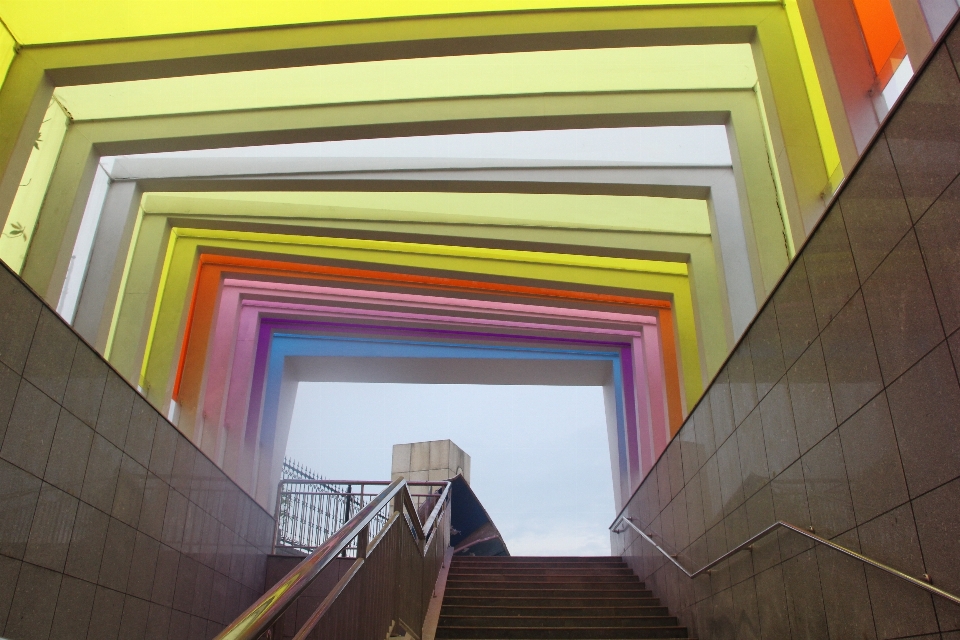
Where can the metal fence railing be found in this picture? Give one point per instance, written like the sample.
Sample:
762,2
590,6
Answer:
310,509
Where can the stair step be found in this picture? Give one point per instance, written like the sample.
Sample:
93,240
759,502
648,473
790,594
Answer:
525,579
547,593
540,564
544,597
568,633
597,609
532,562
553,622
538,601
558,559
545,571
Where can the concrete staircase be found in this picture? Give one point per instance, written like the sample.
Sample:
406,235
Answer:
528,597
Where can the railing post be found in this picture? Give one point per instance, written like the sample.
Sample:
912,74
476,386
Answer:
362,539
398,504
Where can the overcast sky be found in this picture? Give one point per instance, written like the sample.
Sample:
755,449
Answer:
540,460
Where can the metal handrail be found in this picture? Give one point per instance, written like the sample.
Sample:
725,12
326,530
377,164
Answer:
748,544
262,614
423,533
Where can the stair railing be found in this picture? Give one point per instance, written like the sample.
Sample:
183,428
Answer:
387,587
925,584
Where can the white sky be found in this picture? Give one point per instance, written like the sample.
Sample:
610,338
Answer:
540,460
702,145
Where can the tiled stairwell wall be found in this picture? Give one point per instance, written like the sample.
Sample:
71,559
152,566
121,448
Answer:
839,410
112,524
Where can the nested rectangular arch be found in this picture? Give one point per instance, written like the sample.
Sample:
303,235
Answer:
763,25
737,281
85,142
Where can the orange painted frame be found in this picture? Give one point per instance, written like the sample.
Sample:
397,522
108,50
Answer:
211,267
881,32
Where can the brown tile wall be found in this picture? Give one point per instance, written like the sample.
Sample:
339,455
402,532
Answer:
112,524
839,410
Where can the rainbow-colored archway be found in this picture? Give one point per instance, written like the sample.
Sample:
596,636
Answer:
227,199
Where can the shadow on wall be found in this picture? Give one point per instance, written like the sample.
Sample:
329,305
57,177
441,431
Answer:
839,409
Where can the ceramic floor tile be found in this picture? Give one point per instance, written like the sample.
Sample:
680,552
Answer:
845,595
796,318
139,441
810,398
937,520
663,481
165,576
939,235
753,455
779,429
877,483
694,501
18,317
9,384
676,468
903,315
118,550
900,609
731,478
765,350
186,584
772,607
703,418
34,604
51,354
74,607
179,625
158,622
689,449
831,272
828,494
19,492
52,526
743,387
129,494
114,417
741,564
183,465
851,359
924,134
745,613
202,590
100,479
801,578
681,526
107,613
874,210
9,571
133,623
163,450
789,492
710,491
88,375
153,507
721,408
760,515
143,566
925,405
30,430
67,462
87,542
